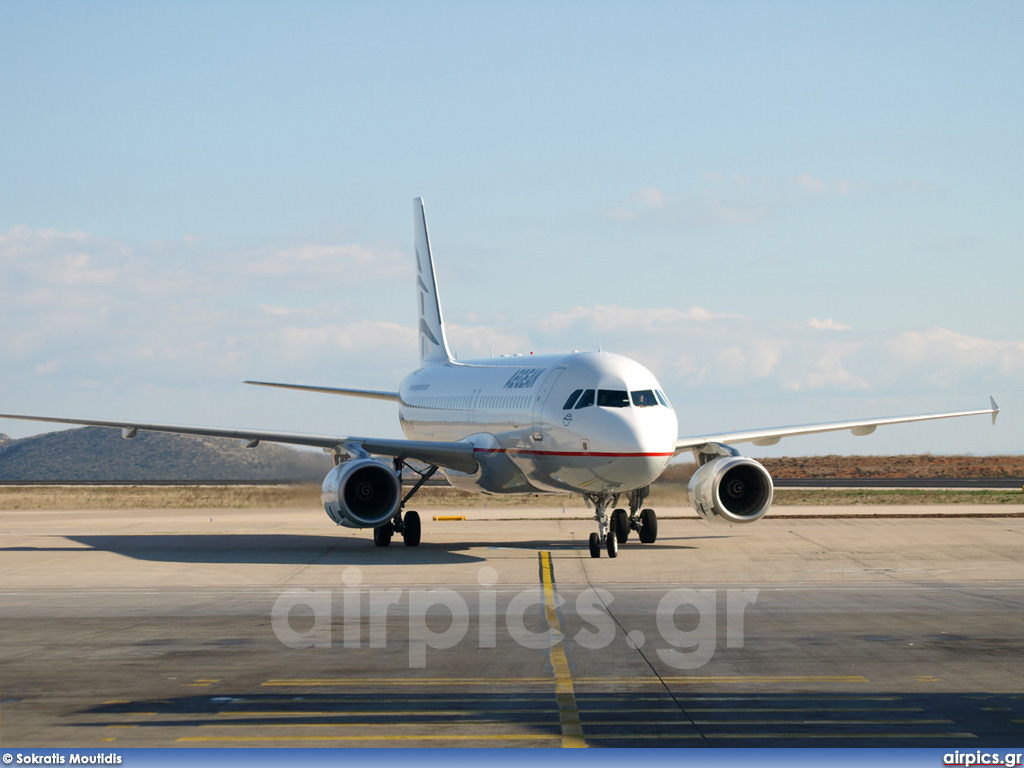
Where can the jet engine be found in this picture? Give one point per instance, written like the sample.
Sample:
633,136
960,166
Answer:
361,493
731,489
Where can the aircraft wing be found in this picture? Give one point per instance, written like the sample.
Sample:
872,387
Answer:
373,394
863,427
457,456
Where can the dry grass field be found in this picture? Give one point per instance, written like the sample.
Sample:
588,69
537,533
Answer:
435,497
56,497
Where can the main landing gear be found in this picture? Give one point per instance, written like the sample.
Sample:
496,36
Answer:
407,524
614,530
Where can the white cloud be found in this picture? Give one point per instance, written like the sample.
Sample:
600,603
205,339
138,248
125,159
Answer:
642,202
946,358
811,184
484,340
161,323
621,214
612,318
76,305
828,368
651,197
828,325
352,262
47,368
761,357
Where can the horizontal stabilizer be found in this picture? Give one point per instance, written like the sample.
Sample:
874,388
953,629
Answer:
373,394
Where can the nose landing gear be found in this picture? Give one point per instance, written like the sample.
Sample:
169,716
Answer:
614,529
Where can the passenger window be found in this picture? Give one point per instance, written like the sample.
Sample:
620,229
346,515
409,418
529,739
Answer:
572,400
587,398
644,398
612,398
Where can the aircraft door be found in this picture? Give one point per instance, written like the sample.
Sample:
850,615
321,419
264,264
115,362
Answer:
539,401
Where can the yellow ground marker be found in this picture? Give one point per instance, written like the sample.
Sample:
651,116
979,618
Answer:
388,737
568,712
649,680
449,517
375,682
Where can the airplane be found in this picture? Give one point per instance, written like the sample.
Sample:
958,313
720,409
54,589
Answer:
593,423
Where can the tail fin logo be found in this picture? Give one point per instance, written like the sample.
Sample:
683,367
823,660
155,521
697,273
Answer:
424,292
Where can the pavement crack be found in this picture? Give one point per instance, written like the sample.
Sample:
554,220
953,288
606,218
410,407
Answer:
647,661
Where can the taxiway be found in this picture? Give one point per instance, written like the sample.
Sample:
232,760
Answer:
271,627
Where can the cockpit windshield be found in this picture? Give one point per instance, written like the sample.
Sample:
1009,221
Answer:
587,398
572,400
612,398
644,398
615,398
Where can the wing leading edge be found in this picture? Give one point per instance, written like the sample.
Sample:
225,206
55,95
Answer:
457,456
862,427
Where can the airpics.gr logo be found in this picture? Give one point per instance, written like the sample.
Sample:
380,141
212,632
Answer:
981,758
440,619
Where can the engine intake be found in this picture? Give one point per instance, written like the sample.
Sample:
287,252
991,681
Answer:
361,493
731,489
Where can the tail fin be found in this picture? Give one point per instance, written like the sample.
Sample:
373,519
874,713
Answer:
433,344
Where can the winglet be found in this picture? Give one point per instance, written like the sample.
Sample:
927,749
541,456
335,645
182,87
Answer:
995,409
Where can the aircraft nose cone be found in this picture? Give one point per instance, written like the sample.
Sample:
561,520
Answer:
642,447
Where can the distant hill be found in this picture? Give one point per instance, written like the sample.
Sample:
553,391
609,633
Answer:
100,454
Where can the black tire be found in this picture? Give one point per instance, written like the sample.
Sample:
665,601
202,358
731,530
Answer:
648,526
595,545
620,524
411,534
382,534
612,543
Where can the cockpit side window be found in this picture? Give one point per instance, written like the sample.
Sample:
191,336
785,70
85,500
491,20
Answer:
572,400
587,398
644,398
613,398
661,398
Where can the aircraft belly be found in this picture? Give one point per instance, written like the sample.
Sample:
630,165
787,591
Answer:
594,473
498,474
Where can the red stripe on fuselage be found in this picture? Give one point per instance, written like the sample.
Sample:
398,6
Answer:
602,454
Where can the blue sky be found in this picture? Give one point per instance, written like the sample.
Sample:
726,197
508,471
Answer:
791,212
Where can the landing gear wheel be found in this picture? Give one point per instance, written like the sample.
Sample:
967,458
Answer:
612,543
411,534
620,524
648,526
595,545
382,534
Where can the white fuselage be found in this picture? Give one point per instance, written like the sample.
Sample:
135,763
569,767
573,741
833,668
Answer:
588,423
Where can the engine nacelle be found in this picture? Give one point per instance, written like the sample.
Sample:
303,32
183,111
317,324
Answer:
361,493
731,489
